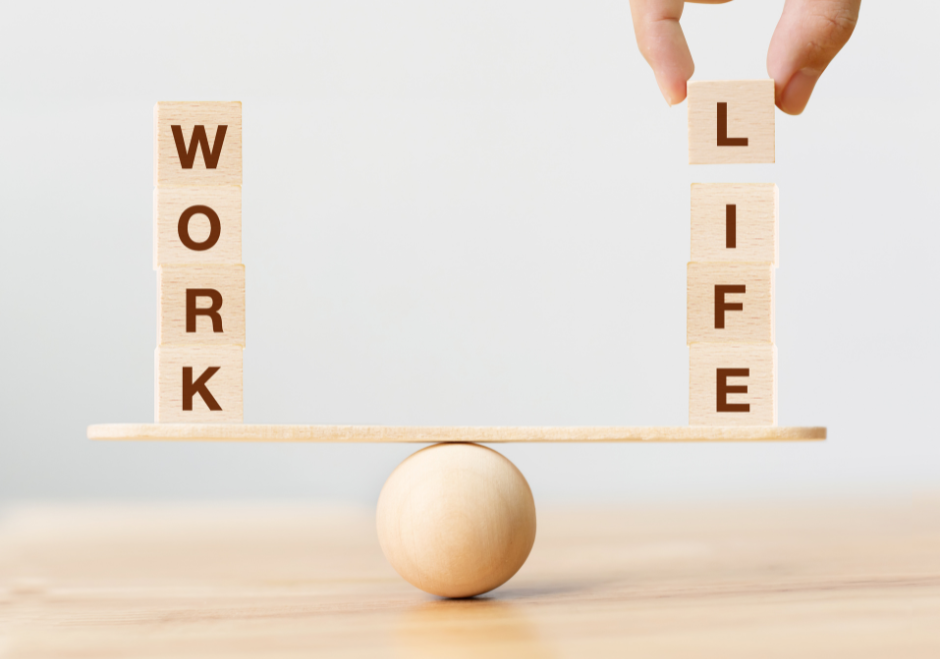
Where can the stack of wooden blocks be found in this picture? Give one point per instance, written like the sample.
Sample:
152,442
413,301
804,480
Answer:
730,331
197,256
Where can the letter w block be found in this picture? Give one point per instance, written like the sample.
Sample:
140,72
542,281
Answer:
197,143
198,384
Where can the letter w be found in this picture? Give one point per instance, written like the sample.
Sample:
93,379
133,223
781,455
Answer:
200,140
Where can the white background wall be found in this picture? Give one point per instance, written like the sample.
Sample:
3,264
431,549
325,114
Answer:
460,213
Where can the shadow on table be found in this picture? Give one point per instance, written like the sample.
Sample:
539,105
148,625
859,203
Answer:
475,628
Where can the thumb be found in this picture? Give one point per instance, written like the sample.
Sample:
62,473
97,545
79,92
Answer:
809,35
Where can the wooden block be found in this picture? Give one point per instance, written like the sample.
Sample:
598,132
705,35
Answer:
731,121
730,303
735,222
197,143
198,384
197,225
732,385
201,304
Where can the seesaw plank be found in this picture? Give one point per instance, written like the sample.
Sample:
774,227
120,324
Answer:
434,434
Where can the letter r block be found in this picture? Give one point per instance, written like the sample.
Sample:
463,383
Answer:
732,385
197,225
197,143
734,222
731,121
201,304
730,303
198,384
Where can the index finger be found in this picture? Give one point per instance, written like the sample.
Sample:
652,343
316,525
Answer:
663,45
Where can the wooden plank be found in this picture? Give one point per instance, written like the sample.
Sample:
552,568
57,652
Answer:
814,579
730,303
731,121
201,304
197,225
732,384
204,148
434,434
206,379
735,222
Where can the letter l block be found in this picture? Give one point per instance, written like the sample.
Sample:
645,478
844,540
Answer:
731,121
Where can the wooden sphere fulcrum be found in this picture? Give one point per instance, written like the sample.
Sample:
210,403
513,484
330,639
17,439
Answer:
456,520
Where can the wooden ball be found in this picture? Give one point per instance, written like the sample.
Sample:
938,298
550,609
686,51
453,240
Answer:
456,520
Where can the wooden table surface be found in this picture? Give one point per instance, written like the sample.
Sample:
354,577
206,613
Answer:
801,580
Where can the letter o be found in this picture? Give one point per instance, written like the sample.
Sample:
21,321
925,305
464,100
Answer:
215,228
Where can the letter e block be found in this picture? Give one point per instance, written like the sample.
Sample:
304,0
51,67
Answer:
731,121
734,222
730,303
198,384
197,225
732,385
197,143
201,304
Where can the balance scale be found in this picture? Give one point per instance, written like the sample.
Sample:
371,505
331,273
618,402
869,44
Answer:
458,519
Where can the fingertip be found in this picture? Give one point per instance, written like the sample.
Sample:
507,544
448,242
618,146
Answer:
673,91
795,95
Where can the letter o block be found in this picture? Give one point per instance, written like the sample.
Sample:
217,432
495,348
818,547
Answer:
194,225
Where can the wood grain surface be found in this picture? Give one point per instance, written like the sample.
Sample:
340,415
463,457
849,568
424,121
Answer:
167,165
751,322
226,385
749,106
761,382
755,231
431,434
816,579
225,327
171,203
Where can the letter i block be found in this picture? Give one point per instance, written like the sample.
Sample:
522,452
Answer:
198,384
730,303
197,143
732,385
197,225
201,304
731,121
735,222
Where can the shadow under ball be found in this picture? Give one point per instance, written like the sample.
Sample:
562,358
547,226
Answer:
456,520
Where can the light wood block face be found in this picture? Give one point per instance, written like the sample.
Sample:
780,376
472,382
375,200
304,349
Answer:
198,384
197,225
731,121
735,222
201,304
197,143
730,303
732,385
187,432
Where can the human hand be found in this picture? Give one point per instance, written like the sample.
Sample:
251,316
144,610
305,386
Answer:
807,38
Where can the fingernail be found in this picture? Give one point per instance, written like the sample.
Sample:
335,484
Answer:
794,98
